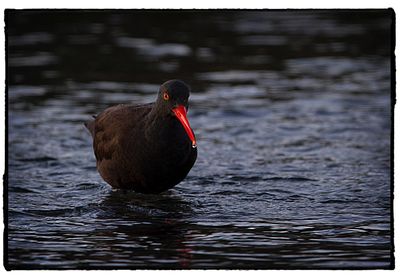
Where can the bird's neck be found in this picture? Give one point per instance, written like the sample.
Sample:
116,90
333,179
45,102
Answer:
157,119
159,111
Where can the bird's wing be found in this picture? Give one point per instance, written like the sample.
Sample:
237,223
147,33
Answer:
111,125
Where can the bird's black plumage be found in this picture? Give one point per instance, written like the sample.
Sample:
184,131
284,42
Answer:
145,147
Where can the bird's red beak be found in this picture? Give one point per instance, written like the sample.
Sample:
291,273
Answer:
180,113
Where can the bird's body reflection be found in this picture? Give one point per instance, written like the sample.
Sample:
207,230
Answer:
132,223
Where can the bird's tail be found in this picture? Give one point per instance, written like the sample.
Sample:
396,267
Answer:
90,125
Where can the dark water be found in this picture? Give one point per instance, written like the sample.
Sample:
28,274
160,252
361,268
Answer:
292,112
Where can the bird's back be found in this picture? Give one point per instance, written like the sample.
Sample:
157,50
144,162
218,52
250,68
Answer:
110,116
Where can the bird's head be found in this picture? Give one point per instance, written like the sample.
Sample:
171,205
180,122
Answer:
174,97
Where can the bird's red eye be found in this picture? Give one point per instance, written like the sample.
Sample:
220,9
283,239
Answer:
166,96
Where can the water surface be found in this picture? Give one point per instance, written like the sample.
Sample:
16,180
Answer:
291,109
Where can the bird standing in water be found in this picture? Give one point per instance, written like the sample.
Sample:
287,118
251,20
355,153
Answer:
148,148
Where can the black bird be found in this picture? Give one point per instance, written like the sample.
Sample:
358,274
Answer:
147,148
